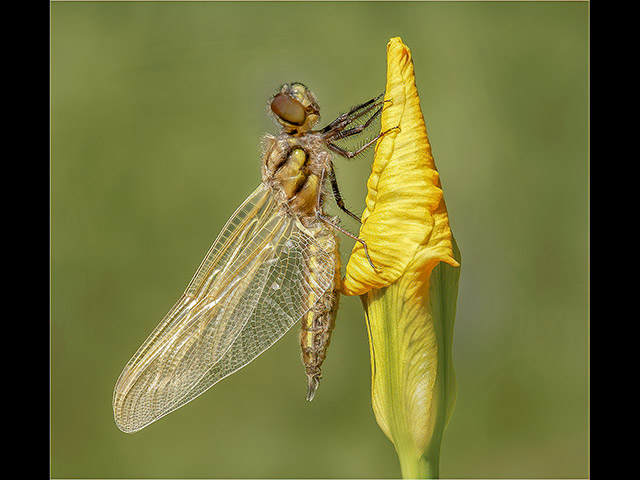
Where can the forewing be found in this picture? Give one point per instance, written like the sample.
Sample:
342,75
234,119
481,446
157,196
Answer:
249,290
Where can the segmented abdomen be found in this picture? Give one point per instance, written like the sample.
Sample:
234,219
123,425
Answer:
318,322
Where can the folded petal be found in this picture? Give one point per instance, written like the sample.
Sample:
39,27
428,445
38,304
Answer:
405,217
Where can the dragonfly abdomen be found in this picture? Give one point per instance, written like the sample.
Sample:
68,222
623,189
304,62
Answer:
318,322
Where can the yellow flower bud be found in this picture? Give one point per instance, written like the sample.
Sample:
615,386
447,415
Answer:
410,300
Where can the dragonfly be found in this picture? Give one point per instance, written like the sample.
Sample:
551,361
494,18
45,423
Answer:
275,262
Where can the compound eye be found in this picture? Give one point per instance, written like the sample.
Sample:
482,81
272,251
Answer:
288,109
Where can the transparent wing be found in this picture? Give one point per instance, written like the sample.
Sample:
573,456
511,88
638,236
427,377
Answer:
249,290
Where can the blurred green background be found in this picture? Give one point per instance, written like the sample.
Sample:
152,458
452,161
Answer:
157,109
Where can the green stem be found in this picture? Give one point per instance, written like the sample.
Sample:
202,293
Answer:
414,466
420,465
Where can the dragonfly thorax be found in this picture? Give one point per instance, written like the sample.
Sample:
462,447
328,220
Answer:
293,168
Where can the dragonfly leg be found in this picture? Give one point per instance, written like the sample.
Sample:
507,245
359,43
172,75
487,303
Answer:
358,128
336,192
326,219
337,195
349,155
346,118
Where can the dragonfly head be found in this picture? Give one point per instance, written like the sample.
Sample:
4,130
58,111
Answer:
295,107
